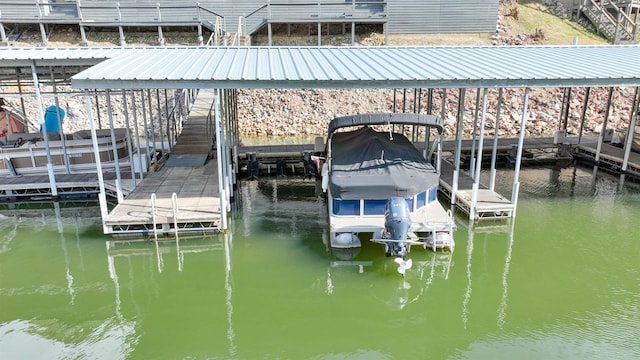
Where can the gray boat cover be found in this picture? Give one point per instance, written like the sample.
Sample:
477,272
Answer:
366,164
386,118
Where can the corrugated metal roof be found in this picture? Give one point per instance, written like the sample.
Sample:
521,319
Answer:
52,56
334,67
366,67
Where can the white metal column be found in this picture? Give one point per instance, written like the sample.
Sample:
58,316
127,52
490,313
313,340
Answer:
96,152
516,174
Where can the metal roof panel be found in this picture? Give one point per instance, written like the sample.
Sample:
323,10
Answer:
296,67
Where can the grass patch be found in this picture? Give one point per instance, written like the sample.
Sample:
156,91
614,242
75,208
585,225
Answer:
557,31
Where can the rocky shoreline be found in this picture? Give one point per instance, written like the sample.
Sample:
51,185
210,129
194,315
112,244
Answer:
307,112
294,112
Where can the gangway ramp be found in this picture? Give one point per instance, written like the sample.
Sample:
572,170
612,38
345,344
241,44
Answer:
190,173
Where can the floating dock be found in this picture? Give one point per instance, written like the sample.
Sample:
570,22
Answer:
181,197
488,204
610,157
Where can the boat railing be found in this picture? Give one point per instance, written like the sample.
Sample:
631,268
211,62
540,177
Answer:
28,152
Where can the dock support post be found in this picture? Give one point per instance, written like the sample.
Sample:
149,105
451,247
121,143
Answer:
632,126
135,127
153,128
115,149
96,153
604,125
496,135
219,156
144,123
476,181
128,134
65,155
160,121
43,130
516,174
584,113
472,164
458,149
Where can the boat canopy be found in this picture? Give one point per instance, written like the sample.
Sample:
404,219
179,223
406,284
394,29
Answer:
366,164
386,118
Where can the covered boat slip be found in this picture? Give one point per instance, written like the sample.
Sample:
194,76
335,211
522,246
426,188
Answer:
181,197
230,68
367,167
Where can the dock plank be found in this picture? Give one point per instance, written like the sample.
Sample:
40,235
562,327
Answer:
190,175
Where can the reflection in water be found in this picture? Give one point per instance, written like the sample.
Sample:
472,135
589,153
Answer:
467,293
129,249
502,309
163,300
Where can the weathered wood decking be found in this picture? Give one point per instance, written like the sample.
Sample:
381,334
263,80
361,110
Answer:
189,174
489,204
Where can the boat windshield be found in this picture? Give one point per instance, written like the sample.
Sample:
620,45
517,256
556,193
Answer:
369,207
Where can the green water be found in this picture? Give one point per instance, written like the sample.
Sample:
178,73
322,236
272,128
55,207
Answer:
562,281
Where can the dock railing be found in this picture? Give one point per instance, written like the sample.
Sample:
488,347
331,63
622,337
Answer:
316,11
610,20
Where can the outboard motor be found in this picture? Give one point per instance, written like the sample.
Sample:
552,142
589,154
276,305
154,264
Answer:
397,222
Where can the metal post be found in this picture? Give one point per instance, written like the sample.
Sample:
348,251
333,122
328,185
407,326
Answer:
584,113
166,110
458,149
63,141
476,182
496,135
144,123
516,174
353,34
218,127
472,165
134,110
604,125
123,42
115,149
632,126
151,122
160,121
160,36
43,130
128,131
96,153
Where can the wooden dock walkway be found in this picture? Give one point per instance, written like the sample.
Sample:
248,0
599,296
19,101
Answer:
189,174
489,204
610,156
69,186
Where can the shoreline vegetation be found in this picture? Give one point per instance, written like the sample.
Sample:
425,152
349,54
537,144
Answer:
305,113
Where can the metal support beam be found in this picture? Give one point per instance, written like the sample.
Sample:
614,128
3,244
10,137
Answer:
115,149
458,149
496,135
476,182
43,130
96,153
604,125
128,132
516,174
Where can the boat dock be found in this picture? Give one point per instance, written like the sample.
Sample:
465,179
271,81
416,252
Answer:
68,186
488,204
182,196
610,157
